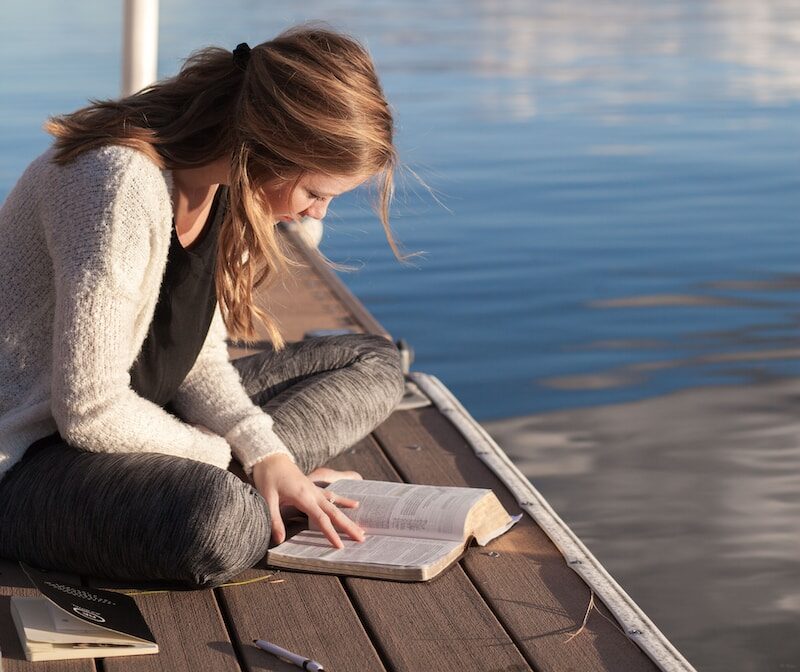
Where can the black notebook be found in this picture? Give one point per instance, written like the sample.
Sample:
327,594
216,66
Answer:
70,621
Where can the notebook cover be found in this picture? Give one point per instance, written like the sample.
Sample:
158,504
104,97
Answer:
100,608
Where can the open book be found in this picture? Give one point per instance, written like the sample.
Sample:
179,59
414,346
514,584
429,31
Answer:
413,532
78,622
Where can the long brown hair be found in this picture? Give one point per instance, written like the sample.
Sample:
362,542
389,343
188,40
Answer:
307,101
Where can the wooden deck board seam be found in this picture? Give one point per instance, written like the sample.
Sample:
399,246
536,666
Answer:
227,620
374,638
523,650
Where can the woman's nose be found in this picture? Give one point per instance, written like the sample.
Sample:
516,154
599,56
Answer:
317,210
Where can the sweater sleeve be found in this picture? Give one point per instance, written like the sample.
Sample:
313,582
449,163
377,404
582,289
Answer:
212,395
99,234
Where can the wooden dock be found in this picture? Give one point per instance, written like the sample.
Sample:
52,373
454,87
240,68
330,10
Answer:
511,605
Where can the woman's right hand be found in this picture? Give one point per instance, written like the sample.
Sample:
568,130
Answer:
280,481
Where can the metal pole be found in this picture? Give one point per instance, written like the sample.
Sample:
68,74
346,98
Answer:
139,45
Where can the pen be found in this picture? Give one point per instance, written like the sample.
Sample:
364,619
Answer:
288,656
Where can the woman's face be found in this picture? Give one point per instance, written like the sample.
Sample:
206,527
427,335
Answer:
311,197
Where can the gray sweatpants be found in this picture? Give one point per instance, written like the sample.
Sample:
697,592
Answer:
152,517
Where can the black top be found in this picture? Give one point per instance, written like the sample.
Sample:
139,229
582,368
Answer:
183,314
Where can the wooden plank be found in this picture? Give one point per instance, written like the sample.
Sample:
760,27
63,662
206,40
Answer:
537,598
187,625
439,624
14,582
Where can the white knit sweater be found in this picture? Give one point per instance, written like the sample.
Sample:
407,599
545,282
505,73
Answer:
83,249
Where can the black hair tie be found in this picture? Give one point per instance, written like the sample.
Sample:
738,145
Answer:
241,55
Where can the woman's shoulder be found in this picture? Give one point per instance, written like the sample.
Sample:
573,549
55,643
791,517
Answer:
111,190
107,203
109,164
104,174
110,174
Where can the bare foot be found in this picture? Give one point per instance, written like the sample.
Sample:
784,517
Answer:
322,477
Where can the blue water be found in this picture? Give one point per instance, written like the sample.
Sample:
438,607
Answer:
609,215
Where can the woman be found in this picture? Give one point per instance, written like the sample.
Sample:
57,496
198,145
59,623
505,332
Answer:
130,247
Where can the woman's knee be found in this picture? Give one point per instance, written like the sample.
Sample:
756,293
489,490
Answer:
228,531
385,365
208,526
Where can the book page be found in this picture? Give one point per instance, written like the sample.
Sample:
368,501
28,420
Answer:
483,538
407,510
375,549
